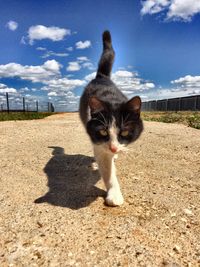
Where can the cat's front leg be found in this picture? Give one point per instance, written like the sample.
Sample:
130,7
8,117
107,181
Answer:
107,170
114,196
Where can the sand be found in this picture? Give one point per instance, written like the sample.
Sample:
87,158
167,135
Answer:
52,210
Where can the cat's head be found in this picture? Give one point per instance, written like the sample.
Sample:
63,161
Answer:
113,128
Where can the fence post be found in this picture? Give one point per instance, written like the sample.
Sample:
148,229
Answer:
37,106
52,108
8,109
24,109
49,107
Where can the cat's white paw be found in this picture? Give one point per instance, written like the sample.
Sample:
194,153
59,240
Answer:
114,197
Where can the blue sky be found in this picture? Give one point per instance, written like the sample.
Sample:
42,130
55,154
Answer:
50,49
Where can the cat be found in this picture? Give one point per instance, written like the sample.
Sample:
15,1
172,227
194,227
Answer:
110,119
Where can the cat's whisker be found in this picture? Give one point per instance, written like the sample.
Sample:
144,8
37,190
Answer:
124,149
127,123
95,119
124,122
102,116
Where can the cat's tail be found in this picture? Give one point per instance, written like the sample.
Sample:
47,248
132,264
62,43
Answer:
107,57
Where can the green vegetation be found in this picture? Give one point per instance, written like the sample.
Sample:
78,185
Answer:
192,119
13,116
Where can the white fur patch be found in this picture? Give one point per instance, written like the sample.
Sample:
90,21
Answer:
107,170
113,133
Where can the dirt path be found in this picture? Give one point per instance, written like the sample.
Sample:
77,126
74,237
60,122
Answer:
52,206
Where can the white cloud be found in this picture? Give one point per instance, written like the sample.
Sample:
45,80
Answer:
4,89
73,66
184,86
166,93
64,100
50,69
85,63
88,65
40,32
153,6
24,89
12,25
63,84
81,59
122,73
83,45
71,101
41,48
90,76
51,53
70,48
52,94
23,40
183,9
188,81
128,82
175,9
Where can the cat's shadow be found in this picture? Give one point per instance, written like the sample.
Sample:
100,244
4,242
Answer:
71,180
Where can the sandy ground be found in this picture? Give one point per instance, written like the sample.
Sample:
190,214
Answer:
52,210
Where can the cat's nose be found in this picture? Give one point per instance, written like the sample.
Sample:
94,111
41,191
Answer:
113,148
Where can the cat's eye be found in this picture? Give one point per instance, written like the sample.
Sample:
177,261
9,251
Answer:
125,133
103,132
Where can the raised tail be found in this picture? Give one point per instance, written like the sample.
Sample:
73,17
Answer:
107,57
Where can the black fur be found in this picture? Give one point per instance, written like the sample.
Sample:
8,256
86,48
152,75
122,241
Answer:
107,57
102,101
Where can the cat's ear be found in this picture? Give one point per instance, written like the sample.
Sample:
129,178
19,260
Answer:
134,104
95,104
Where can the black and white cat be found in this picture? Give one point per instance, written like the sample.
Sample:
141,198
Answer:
111,120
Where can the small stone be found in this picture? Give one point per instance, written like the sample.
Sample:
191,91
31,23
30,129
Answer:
72,262
188,212
177,249
165,262
39,224
183,219
70,254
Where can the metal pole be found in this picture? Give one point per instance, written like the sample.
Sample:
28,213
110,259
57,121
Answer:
37,106
24,107
8,109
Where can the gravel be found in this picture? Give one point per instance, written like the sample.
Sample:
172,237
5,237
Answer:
52,201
